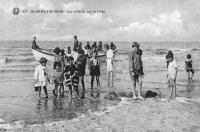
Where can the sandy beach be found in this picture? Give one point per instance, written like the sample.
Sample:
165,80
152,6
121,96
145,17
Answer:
151,115
21,110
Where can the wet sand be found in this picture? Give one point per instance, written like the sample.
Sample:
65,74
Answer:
151,115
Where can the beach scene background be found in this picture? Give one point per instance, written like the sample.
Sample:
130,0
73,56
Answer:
19,102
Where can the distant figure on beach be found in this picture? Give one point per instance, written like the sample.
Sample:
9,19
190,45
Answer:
88,46
112,46
94,47
109,65
69,51
189,67
57,80
75,43
136,69
34,45
94,68
87,49
170,53
100,47
41,76
71,77
81,64
172,74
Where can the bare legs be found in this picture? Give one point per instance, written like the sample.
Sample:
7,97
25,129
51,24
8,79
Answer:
109,79
139,80
92,84
172,87
45,91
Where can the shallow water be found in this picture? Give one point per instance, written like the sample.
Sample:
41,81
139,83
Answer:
19,101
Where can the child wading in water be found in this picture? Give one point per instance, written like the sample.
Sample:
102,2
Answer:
189,67
172,74
41,76
136,69
71,77
94,68
109,65
57,79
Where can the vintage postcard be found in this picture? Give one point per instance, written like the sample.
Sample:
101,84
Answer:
99,65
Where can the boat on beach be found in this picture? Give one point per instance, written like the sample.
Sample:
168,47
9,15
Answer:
48,54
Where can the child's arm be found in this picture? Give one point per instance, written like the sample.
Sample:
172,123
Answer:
48,77
36,74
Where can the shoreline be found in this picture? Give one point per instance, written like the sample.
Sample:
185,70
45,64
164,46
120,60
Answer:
152,115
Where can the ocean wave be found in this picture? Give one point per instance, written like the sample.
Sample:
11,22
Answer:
3,60
195,49
16,70
20,59
153,58
15,79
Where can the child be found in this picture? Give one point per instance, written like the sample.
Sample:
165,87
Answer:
172,73
41,76
189,67
57,79
109,65
81,63
94,68
136,70
71,76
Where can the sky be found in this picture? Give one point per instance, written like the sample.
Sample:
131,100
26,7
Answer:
123,20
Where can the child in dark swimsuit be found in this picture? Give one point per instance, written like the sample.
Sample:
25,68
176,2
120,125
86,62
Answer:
189,67
71,76
57,79
94,68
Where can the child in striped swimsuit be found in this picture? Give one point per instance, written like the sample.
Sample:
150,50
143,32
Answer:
71,76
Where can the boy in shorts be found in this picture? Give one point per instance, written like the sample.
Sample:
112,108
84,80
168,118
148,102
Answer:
136,70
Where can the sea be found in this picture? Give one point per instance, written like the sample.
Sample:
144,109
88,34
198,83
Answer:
20,103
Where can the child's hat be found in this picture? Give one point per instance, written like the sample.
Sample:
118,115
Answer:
42,60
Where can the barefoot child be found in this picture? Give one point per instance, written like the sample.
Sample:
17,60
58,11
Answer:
189,67
81,63
57,80
172,73
41,76
94,68
136,70
109,65
71,76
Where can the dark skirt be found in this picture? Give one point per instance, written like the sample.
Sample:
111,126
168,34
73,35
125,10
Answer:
94,71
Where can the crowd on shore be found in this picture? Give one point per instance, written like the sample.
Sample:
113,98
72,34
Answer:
69,69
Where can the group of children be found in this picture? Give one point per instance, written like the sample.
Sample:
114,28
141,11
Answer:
136,70
173,69
68,71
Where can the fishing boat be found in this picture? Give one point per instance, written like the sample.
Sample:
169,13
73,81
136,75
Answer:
39,53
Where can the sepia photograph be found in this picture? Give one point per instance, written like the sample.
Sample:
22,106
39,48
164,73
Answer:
99,66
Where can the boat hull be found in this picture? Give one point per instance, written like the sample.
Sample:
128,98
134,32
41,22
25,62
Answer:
39,54
50,57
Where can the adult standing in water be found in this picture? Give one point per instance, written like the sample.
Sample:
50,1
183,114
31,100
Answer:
75,43
34,45
136,69
109,65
